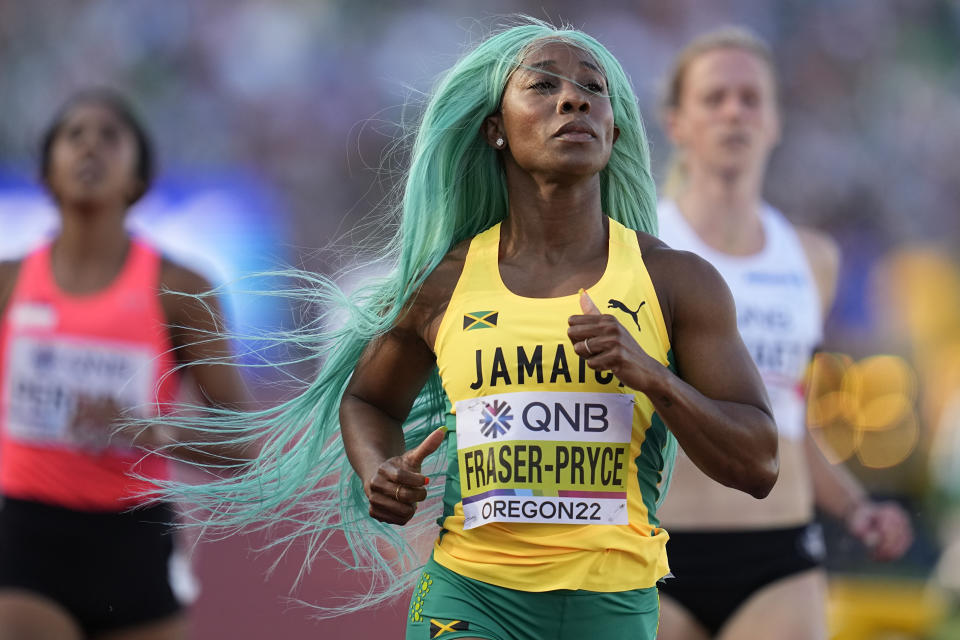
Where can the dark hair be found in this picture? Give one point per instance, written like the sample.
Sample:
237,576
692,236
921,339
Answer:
122,108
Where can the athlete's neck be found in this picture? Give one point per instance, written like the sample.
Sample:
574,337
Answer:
557,222
89,252
724,211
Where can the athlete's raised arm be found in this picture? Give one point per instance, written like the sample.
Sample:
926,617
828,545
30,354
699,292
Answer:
715,404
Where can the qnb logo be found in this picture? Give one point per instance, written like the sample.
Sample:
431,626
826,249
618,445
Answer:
495,419
588,416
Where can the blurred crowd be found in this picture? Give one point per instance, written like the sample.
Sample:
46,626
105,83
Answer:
309,93
312,96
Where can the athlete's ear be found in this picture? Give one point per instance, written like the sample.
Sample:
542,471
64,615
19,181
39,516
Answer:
492,130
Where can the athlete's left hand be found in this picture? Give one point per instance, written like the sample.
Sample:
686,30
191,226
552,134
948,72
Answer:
884,527
606,345
98,422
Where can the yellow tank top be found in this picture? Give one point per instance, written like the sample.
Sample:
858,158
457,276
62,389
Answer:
555,468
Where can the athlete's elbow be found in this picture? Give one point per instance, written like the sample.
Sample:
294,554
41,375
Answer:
758,470
765,480
756,480
765,472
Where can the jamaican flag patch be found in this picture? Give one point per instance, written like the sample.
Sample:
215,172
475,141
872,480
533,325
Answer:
438,627
480,320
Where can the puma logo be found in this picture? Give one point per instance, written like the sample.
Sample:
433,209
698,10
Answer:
616,304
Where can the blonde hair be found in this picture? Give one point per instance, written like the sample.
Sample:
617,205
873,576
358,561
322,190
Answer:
726,37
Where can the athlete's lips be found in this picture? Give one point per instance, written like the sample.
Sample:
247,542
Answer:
89,169
575,127
735,138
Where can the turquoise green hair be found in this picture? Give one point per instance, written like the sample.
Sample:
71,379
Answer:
302,484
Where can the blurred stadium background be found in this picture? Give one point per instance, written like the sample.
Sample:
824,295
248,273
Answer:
276,125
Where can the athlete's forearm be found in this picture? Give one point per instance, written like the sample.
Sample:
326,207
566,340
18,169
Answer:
370,435
734,443
217,455
835,490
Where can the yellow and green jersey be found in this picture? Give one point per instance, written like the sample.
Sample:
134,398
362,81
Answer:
556,469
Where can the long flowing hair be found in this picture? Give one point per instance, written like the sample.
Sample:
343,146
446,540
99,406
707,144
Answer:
301,483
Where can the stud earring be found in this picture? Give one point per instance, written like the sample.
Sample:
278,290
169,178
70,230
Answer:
499,142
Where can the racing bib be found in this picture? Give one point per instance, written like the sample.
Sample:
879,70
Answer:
46,376
547,457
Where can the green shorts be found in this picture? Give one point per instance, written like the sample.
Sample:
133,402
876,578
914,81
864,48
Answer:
447,606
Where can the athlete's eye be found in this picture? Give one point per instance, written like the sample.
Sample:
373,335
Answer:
713,98
73,132
595,87
110,134
542,85
750,99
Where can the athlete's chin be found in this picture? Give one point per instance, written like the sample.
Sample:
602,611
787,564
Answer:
738,160
578,166
84,199
731,171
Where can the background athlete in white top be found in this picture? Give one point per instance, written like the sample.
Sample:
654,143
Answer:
759,575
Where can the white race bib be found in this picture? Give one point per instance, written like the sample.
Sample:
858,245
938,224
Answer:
46,376
548,457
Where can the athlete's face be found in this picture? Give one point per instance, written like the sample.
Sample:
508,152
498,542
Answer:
726,119
93,158
555,117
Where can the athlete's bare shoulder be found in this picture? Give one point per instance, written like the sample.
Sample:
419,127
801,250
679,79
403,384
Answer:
8,280
425,310
823,255
185,310
819,247
685,283
176,277
648,242
673,265
439,285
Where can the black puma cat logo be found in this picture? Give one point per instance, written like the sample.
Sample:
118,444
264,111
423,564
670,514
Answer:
616,304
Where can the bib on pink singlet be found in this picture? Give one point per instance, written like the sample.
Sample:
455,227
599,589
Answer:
56,348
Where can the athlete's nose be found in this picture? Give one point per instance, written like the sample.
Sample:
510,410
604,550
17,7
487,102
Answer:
573,99
733,108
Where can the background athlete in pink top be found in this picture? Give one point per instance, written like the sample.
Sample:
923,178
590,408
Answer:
86,338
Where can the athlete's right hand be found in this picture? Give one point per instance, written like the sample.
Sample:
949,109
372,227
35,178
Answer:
397,486
606,345
99,422
92,423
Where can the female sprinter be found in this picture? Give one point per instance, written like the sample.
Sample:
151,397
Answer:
746,568
532,159
86,334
